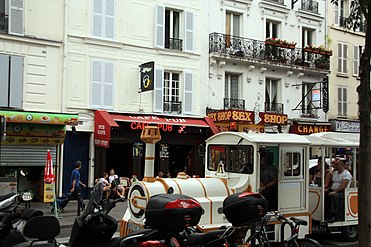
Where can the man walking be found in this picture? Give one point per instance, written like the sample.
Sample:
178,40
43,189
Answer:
75,186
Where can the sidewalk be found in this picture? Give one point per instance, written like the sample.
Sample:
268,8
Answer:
69,215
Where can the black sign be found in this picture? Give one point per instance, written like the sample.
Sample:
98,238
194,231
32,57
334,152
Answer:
325,94
147,76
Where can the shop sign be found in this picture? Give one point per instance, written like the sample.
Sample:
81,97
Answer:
141,126
247,117
40,118
39,130
32,140
48,192
138,150
306,129
241,127
147,76
325,97
347,126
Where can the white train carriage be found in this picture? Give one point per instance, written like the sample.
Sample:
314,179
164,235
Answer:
327,142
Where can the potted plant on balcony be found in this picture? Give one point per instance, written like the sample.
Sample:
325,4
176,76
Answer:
280,43
319,49
323,62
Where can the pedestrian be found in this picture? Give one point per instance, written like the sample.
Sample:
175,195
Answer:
75,188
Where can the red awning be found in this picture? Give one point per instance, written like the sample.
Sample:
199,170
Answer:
104,121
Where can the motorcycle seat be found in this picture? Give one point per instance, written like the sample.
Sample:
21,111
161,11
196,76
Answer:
205,237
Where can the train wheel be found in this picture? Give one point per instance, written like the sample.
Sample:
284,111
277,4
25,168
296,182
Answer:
350,233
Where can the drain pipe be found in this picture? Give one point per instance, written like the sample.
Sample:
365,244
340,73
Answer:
150,135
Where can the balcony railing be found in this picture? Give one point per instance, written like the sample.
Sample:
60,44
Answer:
172,107
4,22
274,107
174,44
234,104
362,27
243,48
309,5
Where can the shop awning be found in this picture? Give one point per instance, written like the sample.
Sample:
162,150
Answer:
104,121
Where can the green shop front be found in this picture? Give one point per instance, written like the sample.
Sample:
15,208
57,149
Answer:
23,151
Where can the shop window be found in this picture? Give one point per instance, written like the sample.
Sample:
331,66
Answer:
103,19
236,159
11,81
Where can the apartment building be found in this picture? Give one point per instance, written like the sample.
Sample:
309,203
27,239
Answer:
130,64
347,45
31,90
268,66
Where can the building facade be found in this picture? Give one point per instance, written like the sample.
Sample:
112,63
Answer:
268,66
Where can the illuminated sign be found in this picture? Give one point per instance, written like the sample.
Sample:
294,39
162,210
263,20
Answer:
140,126
247,117
306,129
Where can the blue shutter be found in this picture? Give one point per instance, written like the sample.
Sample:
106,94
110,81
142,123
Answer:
4,80
160,26
16,82
188,93
96,84
189,27
97,18
16,17
108,85
158,99
110,19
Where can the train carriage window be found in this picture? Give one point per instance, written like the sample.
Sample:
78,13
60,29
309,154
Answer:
236,159
292,164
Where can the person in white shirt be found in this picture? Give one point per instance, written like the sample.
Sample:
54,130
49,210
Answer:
106,184
341,179
112,176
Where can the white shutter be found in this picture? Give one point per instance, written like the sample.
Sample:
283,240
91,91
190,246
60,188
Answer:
355,60
98,18
340,58
189,27
188,96
160,26
110,19
96,84
16,82
158,99
4,80
16,17
345,58
108,85
336,13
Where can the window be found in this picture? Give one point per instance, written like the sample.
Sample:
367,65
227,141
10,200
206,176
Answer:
104,19
292,164
310,99
11,17
171,93
231,86
11,81
232,24
271,86
172,26
341,11
342,101
357,52
308,37
236,159
342,58
102,84
271,29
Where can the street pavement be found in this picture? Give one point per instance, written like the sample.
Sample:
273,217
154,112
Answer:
68,216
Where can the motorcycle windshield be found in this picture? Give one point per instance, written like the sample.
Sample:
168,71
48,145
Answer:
94,199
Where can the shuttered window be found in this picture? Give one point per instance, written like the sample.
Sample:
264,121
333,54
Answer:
102,84
342,102
16,17
158,100
11,81
357,52
188,93
103,19
342,58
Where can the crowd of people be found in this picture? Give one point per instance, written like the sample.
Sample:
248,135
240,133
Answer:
112,186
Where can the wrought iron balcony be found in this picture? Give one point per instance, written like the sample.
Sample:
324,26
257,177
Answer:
362,27
234,104
309,5
4,22
173,44
172,107
235,47
274,107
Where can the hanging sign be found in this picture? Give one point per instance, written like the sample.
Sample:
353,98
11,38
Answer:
147,74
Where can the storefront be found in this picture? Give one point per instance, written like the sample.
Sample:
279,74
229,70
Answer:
118,144
245,121
23,152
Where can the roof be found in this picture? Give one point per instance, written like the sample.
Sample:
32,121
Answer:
334,139
259,138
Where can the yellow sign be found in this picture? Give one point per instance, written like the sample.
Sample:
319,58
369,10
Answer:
49,192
